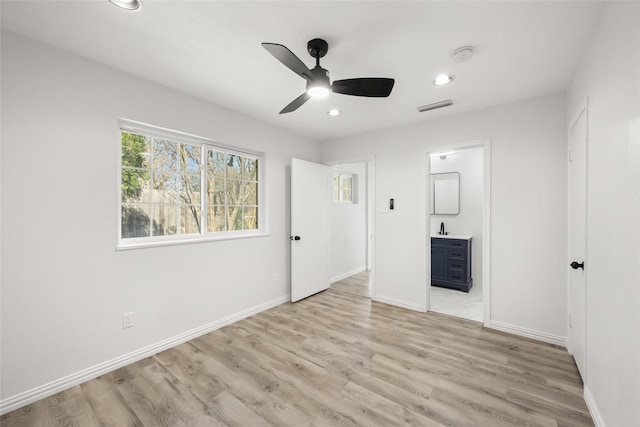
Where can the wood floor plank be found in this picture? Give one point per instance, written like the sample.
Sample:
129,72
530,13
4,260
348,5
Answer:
108,403
333,359
234,413
383,407
72,409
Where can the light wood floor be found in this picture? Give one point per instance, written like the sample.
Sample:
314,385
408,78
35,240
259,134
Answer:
334,359
358,284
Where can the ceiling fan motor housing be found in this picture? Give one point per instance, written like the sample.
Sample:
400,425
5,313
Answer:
319,75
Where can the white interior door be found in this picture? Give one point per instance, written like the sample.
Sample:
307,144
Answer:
309,228
577,237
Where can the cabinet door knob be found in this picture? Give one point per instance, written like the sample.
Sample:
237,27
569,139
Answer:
576,265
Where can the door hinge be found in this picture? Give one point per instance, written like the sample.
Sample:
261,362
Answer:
570,160
570,324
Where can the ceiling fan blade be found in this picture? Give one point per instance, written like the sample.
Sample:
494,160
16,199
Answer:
296,103
287,57
375,87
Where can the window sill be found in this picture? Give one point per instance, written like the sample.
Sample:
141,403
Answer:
124,246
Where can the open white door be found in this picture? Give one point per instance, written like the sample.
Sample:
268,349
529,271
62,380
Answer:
309,228
577,237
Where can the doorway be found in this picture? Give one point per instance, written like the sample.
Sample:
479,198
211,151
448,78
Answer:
350,235
457,226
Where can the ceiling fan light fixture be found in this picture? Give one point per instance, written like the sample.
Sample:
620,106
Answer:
334,112
443,79
318,91
128,4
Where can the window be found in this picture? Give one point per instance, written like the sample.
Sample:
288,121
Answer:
176,188
343,187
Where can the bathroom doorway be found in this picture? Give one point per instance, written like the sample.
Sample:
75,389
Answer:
457,225
350,218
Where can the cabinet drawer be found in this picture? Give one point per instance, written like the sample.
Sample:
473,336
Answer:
457,264
457,253
457,276
458,243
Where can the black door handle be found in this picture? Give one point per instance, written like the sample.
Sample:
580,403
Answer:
576,265
294,238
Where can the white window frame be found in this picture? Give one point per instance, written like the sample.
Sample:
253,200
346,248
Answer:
125,125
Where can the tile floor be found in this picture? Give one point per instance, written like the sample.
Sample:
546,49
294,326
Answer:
458,303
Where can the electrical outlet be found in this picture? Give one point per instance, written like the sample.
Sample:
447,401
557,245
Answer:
276,278
127,320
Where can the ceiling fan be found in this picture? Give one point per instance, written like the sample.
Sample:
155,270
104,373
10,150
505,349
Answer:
318,84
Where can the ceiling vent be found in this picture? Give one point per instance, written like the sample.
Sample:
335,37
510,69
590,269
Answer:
435,105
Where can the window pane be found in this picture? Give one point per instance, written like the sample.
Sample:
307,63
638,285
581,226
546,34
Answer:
345,195
165,188
215,191
234,218
250,170
134,221
189,159
136,150
165,155
215,163
336,188
234,192
190,189
215,219
234,169
164,220
250,193
250,217
189,219
134,185
346,182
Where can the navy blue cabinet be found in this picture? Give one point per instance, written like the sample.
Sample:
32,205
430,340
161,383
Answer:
451,263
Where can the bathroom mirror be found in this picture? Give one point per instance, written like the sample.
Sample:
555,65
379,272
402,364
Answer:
445,193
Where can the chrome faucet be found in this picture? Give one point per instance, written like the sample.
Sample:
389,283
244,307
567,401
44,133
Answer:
441,228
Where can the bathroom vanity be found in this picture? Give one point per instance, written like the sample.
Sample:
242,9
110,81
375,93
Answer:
451,261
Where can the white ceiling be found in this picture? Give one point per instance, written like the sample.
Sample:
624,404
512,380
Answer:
211,50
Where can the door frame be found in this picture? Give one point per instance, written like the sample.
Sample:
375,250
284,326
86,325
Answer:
371,212
486,221
583,108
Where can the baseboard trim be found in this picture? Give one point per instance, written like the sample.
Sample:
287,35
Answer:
529,333
339,277
14,402
398,303
593,408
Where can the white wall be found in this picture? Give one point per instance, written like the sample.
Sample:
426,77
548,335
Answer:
469,164
64,286
348,227
528,208
609,74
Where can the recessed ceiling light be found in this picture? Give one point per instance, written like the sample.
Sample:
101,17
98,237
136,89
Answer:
128,4
334,112
443,79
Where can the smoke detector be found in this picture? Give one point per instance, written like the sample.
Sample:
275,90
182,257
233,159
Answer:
462,54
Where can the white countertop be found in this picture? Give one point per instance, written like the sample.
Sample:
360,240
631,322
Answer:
453,236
